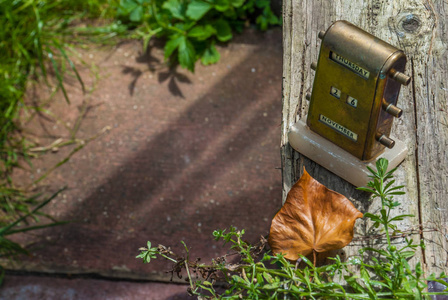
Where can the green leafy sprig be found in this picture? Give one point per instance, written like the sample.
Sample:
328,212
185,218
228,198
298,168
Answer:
193,27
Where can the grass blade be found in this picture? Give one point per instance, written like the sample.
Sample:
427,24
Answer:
5,230
36,227
58,74
70,62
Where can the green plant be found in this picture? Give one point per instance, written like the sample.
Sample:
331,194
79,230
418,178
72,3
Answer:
192,27
33,44
376,273
10,249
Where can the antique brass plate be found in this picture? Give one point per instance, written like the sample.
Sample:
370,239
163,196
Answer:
355,91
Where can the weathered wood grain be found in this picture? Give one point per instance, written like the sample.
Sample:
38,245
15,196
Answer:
420,29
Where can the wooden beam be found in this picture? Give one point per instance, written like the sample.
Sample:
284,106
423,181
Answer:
420,28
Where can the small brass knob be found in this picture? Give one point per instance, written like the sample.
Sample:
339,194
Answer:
401,78
308,96
392,109
386,141
321,34
314,65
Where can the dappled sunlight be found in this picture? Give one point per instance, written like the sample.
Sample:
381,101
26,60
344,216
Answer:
171,168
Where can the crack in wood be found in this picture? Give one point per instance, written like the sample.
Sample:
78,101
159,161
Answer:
419,202
298,110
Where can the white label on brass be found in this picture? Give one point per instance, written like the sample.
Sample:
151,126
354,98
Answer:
339,128
335,92
352,101
352,66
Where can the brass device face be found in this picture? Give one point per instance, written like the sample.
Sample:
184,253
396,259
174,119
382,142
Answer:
356,87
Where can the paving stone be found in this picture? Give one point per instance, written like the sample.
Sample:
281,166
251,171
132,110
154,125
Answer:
185,154
34,287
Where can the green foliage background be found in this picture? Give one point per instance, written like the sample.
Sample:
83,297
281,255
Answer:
192,27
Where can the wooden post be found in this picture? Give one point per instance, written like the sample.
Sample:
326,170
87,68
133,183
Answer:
420,28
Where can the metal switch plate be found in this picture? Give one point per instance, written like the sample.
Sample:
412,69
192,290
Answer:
355,91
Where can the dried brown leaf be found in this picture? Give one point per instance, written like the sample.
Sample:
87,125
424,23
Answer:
312,218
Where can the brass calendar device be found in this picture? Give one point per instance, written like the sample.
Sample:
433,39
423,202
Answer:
354,96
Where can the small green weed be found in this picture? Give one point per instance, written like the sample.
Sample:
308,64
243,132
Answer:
376,273
10,249
36,38
33,44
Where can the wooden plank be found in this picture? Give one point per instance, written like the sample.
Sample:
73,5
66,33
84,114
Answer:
430,75
420,29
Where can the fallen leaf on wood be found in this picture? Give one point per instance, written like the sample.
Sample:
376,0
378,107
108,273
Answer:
313,218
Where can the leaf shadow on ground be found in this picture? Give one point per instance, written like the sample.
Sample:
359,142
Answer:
153,64
171,72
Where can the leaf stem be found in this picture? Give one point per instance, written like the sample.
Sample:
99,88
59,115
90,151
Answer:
169,258
188,273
